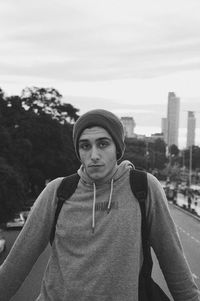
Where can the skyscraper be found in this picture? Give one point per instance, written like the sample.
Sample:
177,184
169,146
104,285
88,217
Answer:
164,128
173,112
129,125
191,125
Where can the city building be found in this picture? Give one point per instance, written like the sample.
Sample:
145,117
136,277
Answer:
164,128
157,136
191,125
173,112
129,125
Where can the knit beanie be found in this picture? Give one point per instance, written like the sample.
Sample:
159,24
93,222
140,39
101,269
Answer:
104,119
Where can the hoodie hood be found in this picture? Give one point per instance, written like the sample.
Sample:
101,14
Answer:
121,169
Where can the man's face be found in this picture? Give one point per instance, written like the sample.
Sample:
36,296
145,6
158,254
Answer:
97,152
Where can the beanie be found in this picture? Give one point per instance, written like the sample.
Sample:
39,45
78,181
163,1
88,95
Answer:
104,119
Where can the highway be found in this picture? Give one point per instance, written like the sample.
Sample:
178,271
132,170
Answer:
189,230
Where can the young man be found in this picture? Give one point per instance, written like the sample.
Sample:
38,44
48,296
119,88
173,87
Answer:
97,251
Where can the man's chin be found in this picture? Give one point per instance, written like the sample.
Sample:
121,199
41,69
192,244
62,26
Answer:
95,176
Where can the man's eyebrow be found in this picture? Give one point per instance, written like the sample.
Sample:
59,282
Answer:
98,139
103,138
83,140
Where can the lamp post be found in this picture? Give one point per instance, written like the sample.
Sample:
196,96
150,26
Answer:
190,167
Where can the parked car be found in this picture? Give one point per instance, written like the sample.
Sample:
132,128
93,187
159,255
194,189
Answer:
2,242
25,214
2,245
16,223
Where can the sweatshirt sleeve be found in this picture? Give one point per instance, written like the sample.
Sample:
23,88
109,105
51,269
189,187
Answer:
30,243
165,241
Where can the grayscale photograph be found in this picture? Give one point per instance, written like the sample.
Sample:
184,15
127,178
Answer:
100,150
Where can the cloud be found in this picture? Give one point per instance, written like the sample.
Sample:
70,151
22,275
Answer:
109,53
99,40
143,114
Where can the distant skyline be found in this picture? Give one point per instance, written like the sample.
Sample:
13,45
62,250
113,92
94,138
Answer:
121,55
147,116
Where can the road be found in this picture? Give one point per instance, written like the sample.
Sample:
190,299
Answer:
189,230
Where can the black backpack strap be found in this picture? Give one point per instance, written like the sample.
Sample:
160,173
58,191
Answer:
148,289
65,190
139,187
138,182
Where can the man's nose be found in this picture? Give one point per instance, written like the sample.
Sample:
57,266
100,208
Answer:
94,153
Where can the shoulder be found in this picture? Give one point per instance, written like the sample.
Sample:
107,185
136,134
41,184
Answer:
153,181
156,194
47,198
55,182
53,185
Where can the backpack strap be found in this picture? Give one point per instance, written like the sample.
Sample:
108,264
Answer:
139,187
65,190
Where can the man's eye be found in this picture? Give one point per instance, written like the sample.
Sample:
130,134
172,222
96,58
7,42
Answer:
84,146
103,144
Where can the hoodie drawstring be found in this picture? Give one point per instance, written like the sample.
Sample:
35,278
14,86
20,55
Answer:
93,207
94,203
110,197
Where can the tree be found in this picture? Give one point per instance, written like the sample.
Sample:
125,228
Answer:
196,157
135,152
5,143
145,155
12,111
48,101
34,141
37,182
172,172
3,106
160,146
11,192
1,94
173,149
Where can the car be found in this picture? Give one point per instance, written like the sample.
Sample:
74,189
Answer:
17,223
2,244
25,214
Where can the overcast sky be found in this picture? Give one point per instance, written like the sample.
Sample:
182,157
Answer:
121,55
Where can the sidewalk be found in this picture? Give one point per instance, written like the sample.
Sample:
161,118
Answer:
181,202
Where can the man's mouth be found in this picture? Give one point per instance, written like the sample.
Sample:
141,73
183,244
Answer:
95,165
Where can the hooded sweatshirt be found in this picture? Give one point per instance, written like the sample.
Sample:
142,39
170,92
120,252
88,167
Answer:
97,250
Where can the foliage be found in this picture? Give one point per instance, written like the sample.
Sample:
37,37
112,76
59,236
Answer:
172,172
48,101
173,150
11,192
35,141
145,155
195,157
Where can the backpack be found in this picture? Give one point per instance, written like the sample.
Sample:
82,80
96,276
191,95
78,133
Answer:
148,289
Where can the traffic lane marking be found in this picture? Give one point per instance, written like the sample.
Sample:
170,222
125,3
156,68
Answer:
194,239
188,234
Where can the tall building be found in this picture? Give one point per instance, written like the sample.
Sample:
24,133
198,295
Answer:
191,125
173,112
164,128
129,125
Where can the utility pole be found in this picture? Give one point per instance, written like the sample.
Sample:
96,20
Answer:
190,167
183,154
190,145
